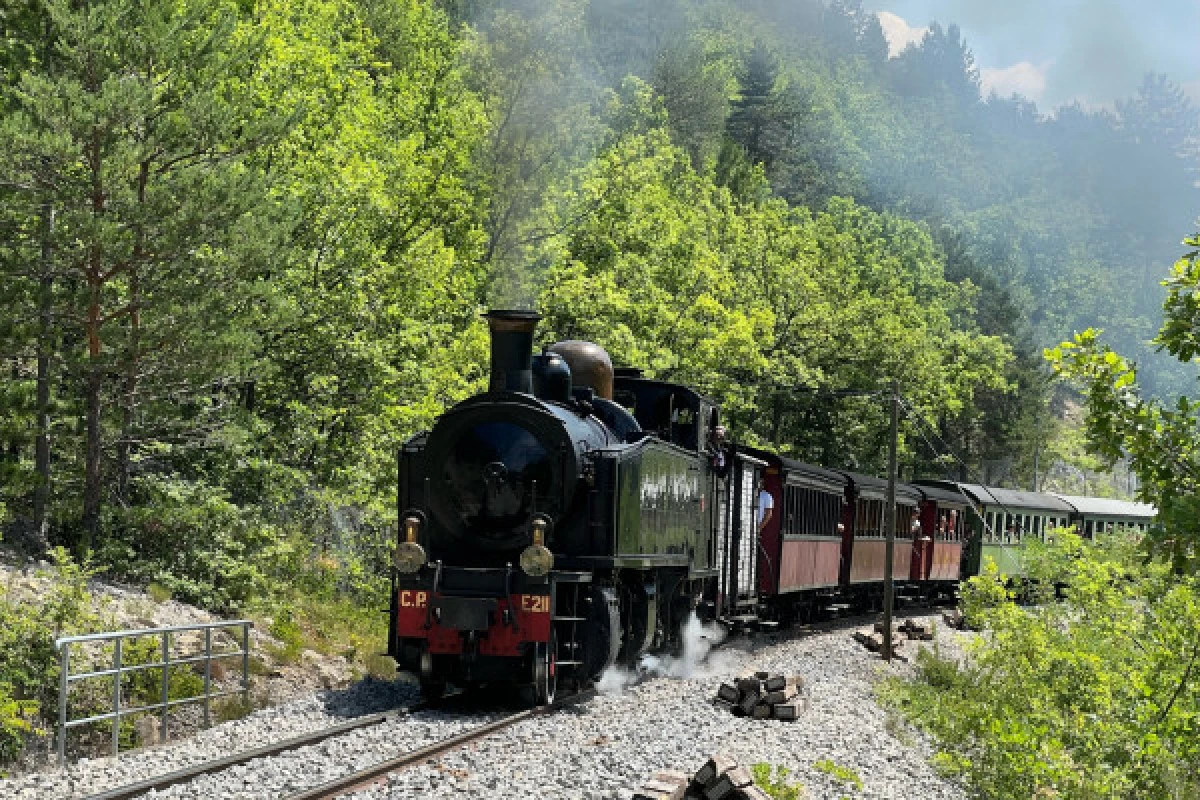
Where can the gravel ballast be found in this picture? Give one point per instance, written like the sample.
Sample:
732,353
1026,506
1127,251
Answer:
601,749
604,749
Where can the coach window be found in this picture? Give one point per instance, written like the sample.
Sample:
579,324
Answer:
1087,529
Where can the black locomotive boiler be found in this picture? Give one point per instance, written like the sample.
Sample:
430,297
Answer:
548,531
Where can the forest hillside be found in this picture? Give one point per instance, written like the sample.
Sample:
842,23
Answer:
244,247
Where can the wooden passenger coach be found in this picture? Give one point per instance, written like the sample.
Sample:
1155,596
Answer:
800,545
864,542
937,552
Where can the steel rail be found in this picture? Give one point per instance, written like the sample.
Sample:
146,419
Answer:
225,762
371,774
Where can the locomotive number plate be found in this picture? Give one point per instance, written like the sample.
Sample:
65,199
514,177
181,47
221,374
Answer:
410,598
535,603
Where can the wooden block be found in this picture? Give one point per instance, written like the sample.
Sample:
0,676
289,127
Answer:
791,710
781,696
749,701
713,769
729,693
761,711
751,793
750,684
672,776
660,790
875,642
927,636
762,676
729,783
775,683
860,636
725,705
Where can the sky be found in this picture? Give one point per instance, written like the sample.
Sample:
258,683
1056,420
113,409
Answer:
1059,51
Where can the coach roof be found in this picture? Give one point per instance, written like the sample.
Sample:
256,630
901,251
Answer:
1005,499
877,487
1108,507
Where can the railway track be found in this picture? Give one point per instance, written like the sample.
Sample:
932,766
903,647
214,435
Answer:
358,779
375,772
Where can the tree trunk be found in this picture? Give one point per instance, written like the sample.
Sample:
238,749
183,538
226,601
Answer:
41,492
129,392
133,369
92,476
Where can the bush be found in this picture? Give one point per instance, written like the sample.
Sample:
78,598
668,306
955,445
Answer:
844,775
14,723
29,665
194,543
776,785
1093,697
983,592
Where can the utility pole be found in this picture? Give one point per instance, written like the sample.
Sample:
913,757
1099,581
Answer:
890,523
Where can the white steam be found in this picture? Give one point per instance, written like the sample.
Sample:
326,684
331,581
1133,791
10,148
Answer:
693,661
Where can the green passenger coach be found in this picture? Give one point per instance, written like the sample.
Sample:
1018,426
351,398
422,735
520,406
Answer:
1002,520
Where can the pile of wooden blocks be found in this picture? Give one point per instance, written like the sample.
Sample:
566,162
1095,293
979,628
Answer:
913,631
762,695
954,618
874,641
719,779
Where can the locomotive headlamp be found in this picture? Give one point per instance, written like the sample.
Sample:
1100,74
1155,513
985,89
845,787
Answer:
537,560
410,556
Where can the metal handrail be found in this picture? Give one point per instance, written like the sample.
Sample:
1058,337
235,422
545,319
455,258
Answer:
63,645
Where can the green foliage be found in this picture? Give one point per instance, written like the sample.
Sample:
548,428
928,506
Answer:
983,592
197,545
1161,442
158,593
14,723
290,636
776,783
29,663
840,773
1095,696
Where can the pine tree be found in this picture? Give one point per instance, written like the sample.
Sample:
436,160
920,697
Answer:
752,122
132,135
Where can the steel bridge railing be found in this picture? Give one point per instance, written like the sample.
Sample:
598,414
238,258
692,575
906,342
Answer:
165,704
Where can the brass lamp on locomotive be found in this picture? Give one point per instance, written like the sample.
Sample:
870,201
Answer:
547,531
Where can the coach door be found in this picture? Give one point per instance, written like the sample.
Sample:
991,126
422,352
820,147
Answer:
737,542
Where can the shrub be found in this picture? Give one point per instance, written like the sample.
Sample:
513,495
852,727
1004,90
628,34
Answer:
776,785
844,775
29,663
983,592
190,540
290,636
14,723
1093,697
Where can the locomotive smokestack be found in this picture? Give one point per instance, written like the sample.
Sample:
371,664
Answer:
512,349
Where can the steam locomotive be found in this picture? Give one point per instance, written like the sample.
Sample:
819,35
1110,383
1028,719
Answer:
573,516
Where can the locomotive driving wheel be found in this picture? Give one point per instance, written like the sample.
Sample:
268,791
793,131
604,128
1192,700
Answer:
545,671
431,688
